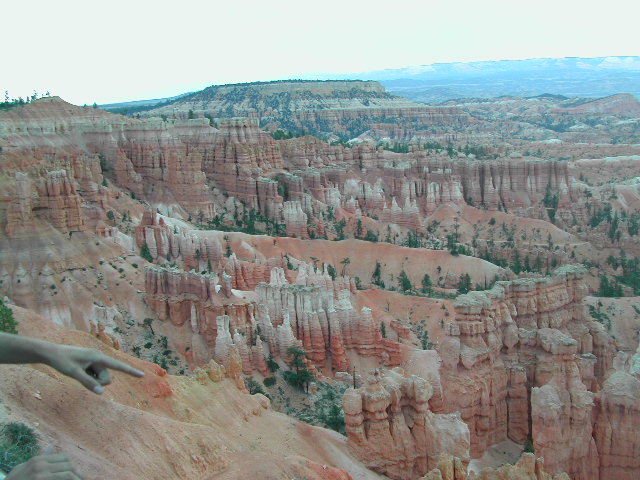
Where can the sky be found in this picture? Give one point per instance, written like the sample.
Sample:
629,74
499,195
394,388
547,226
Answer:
89,51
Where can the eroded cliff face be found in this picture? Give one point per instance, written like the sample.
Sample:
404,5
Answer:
616,419
393,430
314,312
527,468
61,197
226,174
518,363
336,107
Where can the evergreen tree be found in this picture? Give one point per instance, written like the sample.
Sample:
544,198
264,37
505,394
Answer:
538,264
371,236
403,282
550,201
331,271
609,288
517,264
302,375
375,278
345,262
613,228
147,323
7,322
464,284
426,283
272,365
145,253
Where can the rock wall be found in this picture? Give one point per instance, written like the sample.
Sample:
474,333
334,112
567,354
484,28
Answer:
54,200
20,206
321,316
160,164
617,419
528,467
188,168
315,313
518,361
392,430
238,156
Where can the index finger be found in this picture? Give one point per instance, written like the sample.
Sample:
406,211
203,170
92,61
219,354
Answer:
54,457
120,366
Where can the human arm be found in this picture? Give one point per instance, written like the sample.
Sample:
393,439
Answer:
88,366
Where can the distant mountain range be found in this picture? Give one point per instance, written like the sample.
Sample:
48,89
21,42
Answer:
440,82
571,77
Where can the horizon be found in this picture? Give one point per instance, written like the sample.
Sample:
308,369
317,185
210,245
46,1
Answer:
126,51
322,77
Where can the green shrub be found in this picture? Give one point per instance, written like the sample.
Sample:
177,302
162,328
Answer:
528,446
300,379
7,322
145,253
253,386
327,409
18,443
272,364
269,381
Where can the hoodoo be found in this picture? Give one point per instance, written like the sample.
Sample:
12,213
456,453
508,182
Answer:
323,280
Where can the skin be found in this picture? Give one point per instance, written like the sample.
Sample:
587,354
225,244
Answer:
88,366
45,467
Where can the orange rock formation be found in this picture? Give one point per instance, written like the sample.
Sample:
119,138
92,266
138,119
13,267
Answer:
392,429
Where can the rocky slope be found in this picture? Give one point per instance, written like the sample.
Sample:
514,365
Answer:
197,427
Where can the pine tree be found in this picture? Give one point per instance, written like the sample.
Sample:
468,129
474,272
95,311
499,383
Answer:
145,253
375,278
7,322
464,284
426,283
403,282
517,264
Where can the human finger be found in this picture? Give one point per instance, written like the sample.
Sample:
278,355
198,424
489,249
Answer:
63,476
89,382
61,467
103,376
53,457
120,366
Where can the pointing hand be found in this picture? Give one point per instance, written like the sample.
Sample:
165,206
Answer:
88,366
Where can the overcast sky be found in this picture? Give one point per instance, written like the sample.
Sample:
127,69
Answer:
110,51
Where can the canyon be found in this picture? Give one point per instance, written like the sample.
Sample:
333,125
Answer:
436,276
